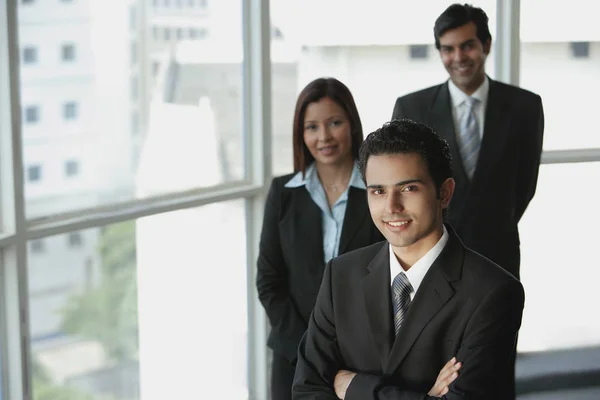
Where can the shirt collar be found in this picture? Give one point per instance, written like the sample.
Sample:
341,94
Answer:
417,272
458,97
311,178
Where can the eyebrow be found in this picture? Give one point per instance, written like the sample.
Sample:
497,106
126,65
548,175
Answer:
332,117
468,41
401,183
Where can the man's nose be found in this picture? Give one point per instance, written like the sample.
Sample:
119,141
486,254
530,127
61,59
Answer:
394,203
459,55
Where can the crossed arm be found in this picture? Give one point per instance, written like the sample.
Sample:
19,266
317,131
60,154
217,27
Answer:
441,386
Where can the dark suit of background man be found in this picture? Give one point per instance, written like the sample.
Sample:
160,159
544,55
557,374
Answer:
488,205
389,316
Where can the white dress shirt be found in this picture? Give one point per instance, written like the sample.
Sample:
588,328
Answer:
416,273
459,107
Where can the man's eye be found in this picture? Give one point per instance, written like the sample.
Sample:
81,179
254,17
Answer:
411,188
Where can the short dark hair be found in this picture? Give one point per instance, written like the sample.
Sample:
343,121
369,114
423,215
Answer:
458,15
313,92
408,136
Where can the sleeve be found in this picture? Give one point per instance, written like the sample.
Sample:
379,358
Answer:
531,153
487,354
272,281
319,358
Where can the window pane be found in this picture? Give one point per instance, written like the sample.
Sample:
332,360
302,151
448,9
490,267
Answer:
559,261
369,48
561,65
147,309
87,78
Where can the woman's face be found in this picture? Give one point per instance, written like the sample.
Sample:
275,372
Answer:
327,132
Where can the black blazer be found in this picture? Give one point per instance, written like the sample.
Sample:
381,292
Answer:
466,306
291,260
485,211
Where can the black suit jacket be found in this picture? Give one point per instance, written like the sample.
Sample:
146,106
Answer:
485,211
291,260
466,306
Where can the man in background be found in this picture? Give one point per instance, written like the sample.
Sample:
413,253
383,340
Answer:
495,133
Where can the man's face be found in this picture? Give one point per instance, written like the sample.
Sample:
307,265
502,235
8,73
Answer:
464,57
403,202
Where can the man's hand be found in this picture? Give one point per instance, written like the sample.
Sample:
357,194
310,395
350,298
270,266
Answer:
446,376
342,381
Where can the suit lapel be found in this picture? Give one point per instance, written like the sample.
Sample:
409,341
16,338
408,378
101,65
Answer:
376,290
435,291
443,123
307,223
495,132
357,211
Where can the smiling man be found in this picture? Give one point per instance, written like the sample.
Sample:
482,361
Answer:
417,316
495,133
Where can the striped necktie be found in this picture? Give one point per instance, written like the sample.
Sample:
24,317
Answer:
469,140
401,290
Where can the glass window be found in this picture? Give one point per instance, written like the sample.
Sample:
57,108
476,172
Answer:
133,17
135,122
32,114
70,110
71,168
561,65
37,246
68,52
30,55
192,121
157,288
559,265
74,239
34,173
133,53
418,51
580,49
376,62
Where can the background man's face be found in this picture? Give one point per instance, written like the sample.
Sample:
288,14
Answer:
464,57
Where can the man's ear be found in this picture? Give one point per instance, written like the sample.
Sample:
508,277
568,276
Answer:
487,46
446,192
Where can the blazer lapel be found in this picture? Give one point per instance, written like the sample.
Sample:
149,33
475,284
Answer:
435,291
376,290
307,222
443,123
357,210
495,132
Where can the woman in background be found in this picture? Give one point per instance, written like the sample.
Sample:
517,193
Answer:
311,216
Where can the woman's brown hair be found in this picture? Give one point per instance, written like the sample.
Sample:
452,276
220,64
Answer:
313,92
